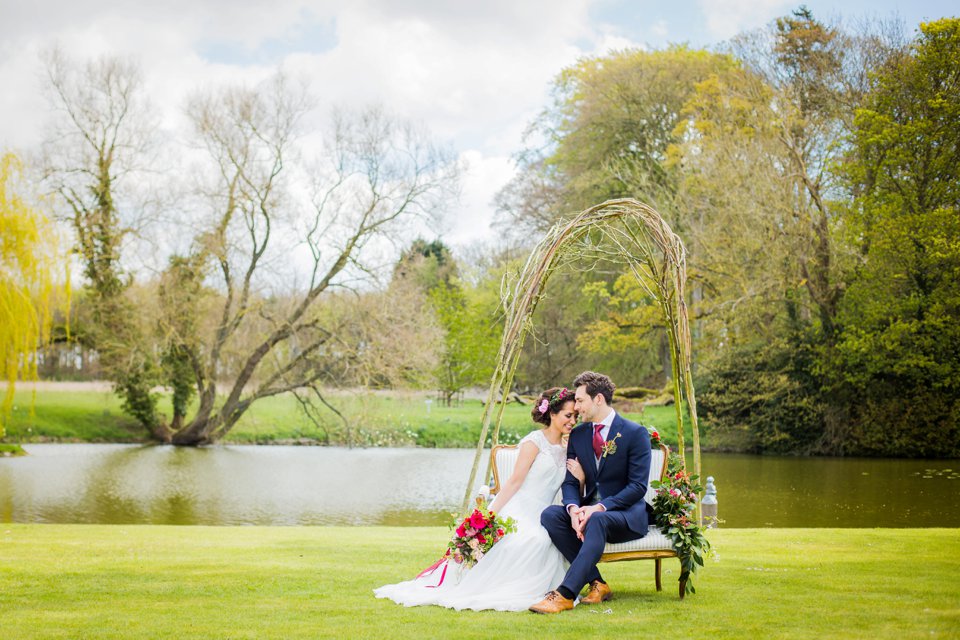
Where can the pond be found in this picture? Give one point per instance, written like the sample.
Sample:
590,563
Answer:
278,485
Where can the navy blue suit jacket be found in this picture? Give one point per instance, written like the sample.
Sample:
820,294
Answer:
621,477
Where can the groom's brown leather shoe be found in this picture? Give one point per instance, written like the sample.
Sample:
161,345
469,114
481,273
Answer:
553,603
599,592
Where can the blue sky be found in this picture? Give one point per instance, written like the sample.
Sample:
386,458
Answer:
473,73
703,23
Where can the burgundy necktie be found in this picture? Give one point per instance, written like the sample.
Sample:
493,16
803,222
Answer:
597,439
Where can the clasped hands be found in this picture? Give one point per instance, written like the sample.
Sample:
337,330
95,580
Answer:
580,515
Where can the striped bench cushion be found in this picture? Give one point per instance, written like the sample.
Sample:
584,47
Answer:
653,541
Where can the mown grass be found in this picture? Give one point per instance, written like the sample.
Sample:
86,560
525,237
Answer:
400,419
83,581
87,416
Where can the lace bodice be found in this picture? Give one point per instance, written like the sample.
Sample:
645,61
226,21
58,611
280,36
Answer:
557,451
543,479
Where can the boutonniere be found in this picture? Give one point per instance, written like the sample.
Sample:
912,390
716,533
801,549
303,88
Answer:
610,446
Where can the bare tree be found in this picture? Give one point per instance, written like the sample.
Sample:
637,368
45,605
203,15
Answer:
376,175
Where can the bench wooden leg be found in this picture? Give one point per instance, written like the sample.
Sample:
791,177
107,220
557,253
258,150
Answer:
657,573
683,587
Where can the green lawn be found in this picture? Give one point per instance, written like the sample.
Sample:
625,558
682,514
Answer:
82,581
88,416
374,420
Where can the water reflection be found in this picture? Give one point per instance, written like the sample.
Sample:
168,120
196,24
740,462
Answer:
248,485
756,491
230,485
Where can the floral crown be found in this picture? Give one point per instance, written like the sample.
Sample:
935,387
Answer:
557,397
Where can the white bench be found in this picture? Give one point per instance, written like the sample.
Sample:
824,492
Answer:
653,546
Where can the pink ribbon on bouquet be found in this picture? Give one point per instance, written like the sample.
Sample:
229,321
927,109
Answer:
429,570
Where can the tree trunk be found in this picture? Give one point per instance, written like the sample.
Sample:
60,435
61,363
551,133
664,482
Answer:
197,432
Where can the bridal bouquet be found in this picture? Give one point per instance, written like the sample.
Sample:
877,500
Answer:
476,534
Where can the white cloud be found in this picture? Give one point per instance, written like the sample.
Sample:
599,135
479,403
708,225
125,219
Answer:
483,177
726,18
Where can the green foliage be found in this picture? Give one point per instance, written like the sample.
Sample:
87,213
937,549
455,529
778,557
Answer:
627,332
806,50
905,142
465,314
136,398
673,505
610,125
895,374
181,296
428,264
765,397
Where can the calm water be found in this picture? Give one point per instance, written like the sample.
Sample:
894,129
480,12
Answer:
237,485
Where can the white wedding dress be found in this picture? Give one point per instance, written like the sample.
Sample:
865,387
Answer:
520,569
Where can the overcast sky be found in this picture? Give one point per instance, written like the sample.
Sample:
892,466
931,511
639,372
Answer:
474,73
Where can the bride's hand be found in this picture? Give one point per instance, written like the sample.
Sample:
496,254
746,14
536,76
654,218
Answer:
573,466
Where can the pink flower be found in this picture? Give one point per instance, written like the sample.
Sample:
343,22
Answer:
544,405
461,531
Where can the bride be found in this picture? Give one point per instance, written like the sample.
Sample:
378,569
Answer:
524,565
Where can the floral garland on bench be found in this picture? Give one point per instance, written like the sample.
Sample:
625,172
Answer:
673,505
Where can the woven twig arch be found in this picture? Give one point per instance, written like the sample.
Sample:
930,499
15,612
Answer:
638,236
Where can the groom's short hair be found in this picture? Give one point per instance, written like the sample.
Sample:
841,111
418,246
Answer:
596,383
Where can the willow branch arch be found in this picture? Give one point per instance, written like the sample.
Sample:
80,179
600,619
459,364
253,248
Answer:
633,233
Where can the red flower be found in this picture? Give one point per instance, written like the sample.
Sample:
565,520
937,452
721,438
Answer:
500,533
477,521
655,435
461,531
481,539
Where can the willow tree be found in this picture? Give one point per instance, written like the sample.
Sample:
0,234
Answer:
622,231
28,283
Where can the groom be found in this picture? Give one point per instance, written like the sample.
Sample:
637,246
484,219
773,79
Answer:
615,455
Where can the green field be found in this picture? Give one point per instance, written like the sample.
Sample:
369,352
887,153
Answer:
82,581
397,419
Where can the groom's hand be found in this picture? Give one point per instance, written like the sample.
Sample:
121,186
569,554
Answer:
585,513
575,519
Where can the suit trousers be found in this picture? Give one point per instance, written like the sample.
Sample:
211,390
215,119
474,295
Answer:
602,527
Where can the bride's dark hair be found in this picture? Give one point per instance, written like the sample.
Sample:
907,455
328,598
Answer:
550,401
